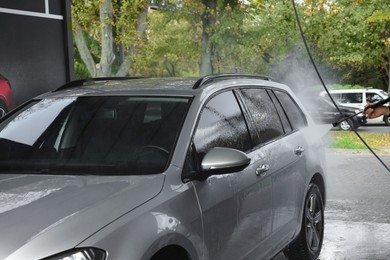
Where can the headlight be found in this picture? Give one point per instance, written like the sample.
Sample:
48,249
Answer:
80,254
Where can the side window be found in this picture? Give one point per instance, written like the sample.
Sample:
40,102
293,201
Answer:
352,98
263,113
294,113
286,124
221,124
335,96
372,97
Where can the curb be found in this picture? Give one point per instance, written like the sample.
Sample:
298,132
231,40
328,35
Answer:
382,150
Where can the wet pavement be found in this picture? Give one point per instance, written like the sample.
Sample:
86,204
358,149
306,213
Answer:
357,216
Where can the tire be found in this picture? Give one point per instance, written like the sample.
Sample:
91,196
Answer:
308,244
386,119
3,110
346,126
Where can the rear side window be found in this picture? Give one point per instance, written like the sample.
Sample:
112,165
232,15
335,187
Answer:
283,117
221,124
264,115
351,98
293,112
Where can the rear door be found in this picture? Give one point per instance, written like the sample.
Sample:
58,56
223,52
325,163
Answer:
253,195
275,166
288,188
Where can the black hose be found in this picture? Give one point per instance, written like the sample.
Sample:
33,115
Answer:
326,89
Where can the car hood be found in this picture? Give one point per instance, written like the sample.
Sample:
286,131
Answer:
43,215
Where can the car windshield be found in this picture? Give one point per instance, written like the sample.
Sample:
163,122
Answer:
92,135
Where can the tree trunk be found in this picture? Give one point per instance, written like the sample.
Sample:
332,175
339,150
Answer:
388,77
107,54
206,67
142,25
83,50
208,21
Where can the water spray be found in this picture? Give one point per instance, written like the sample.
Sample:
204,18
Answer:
378,104
327,91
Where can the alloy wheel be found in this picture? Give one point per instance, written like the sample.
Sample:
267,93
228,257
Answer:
314,223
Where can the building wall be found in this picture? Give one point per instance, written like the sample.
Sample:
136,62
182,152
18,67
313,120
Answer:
36,52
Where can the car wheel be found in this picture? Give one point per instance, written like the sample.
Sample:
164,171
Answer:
309,241
386,119
344,125
3,110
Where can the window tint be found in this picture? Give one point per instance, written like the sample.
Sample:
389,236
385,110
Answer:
351,98
286,124
335,96
221,124
372,97
106,135
294,113
264,115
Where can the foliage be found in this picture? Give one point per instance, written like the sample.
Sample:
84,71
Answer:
171,48
270,32
349,140
351,35
117,25
189,38
80,70
248,37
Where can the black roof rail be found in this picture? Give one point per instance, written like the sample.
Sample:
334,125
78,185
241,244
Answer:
81,82
211,77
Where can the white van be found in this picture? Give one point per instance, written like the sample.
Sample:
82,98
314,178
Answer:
358,98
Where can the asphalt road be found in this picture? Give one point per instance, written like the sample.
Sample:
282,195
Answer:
357,215
371,128
378,129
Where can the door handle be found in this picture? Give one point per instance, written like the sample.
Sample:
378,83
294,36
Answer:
262,170
299,150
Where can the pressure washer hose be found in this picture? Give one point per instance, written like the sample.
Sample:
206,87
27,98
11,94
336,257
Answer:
326,89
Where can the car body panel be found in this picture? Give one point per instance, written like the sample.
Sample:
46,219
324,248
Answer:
253,202
322,111
46,208
172,217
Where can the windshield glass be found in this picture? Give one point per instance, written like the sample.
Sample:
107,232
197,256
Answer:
92,135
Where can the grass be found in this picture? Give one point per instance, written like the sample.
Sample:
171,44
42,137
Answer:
349,140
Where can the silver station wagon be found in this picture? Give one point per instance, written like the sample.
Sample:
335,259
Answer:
220,167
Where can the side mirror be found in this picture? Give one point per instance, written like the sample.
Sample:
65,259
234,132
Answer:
221,160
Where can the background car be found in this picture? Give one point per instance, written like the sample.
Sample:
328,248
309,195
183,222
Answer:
358,98
5,96
226,167
323,111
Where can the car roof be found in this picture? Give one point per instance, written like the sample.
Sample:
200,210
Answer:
354,90
161,86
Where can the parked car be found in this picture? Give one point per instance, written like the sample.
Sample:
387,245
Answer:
323,111
5,96
216,168
358,98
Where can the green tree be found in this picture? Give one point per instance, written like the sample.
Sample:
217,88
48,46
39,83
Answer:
117,26
207,15
351,35
171,48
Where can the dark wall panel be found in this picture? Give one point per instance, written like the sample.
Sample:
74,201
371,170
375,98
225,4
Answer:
34,51
26,5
